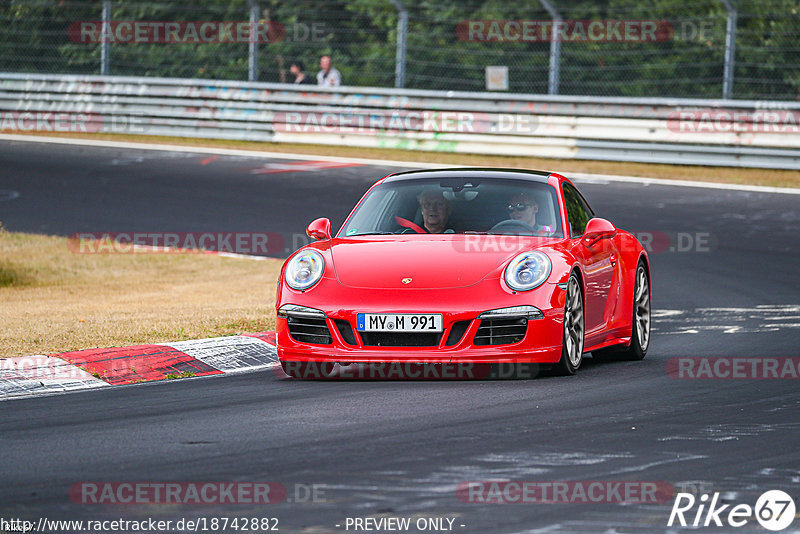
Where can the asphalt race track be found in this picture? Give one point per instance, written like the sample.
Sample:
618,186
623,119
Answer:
397,448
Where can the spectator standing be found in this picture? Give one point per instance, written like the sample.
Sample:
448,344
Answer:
300,77
328,75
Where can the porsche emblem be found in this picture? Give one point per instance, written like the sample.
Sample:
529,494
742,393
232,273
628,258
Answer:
406,280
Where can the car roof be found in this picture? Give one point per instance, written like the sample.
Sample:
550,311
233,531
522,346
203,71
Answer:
461,172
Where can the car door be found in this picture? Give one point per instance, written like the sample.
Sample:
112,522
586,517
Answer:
598,262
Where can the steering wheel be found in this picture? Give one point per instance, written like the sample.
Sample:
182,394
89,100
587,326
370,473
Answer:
512,224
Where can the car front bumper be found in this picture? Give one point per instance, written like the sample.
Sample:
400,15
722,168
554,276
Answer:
541,342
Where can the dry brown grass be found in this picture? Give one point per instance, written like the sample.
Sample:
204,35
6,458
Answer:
54,300
732,175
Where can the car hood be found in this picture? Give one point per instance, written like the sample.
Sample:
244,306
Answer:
436,261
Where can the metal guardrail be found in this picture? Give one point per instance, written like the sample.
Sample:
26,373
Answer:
685,131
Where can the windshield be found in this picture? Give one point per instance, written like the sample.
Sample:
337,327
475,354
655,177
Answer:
457,205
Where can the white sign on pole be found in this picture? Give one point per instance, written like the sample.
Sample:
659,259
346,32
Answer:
497,78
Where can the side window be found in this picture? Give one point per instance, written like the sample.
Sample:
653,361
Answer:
578,211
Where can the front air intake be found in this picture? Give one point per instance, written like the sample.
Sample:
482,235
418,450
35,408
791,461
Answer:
501,331
346,331
457,331
309,330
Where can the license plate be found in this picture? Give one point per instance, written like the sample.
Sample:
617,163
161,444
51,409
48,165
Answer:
399,322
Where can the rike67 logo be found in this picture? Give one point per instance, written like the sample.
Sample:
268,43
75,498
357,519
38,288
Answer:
774,510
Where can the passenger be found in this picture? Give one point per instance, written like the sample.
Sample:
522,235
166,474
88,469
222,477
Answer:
522,207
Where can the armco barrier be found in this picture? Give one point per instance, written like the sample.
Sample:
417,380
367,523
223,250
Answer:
699,132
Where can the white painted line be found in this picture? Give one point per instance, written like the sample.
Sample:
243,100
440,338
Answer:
221,151
761,318
7,194
584,177
232,354
178,250
240,256
301,166
42,375
580,176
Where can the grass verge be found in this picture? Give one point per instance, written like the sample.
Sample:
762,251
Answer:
731,175
54,300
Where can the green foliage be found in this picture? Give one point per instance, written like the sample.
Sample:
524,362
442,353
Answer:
361,37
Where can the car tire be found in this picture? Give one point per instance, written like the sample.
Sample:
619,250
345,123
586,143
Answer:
573,331
640,324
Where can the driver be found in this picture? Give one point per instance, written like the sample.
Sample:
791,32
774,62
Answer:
522,207
435,209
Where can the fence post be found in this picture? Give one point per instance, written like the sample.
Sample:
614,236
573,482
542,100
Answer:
402,30
105,43
730,50
252,63
555,49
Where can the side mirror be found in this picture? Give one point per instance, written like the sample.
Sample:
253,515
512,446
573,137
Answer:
319,229
597,229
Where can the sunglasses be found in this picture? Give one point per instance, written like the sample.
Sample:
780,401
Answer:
519,206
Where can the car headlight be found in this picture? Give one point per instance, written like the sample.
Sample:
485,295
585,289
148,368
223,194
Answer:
304,269
527,271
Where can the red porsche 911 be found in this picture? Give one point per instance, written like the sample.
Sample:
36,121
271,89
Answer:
456,266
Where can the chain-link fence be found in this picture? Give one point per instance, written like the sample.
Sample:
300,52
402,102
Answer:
667,48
